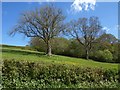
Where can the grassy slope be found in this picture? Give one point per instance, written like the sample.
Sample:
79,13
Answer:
27,55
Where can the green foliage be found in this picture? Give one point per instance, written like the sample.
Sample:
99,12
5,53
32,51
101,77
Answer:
108,38
27,47
38,44
23,74
75,49
103,56
106,42
106,50
9,46
60,46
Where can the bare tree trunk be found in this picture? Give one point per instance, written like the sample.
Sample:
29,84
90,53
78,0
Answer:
87,53
49,49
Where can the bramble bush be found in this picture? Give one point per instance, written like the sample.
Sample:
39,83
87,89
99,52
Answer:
24,74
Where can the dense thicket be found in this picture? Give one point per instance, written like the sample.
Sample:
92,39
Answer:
23,74
105,50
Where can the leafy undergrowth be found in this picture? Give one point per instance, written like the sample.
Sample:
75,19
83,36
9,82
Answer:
24,74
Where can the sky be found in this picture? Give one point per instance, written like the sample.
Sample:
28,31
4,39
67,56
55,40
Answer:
11,11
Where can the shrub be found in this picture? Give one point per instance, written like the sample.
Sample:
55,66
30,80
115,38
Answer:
102,56
27,47
22,74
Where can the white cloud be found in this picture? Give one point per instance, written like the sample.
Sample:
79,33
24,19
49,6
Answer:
79,5
106,29
40,1
50,0
117,27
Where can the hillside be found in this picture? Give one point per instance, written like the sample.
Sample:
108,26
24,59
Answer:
25,68
19,53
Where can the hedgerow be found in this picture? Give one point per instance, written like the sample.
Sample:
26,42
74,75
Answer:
24,74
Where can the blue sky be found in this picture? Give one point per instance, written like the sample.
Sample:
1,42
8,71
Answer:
106,11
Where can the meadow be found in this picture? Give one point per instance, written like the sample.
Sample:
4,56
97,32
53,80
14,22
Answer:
19,53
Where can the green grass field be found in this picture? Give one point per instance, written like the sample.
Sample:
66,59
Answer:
20,53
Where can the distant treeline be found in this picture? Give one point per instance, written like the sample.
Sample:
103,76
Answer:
11,46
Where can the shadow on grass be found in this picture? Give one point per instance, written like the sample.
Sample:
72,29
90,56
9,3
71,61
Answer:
22,52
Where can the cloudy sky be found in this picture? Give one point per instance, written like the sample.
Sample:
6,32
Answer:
106,11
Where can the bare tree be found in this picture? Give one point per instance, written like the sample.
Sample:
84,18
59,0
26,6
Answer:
85,31
45,23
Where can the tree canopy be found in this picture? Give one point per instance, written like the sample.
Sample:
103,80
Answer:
86,31
45,23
